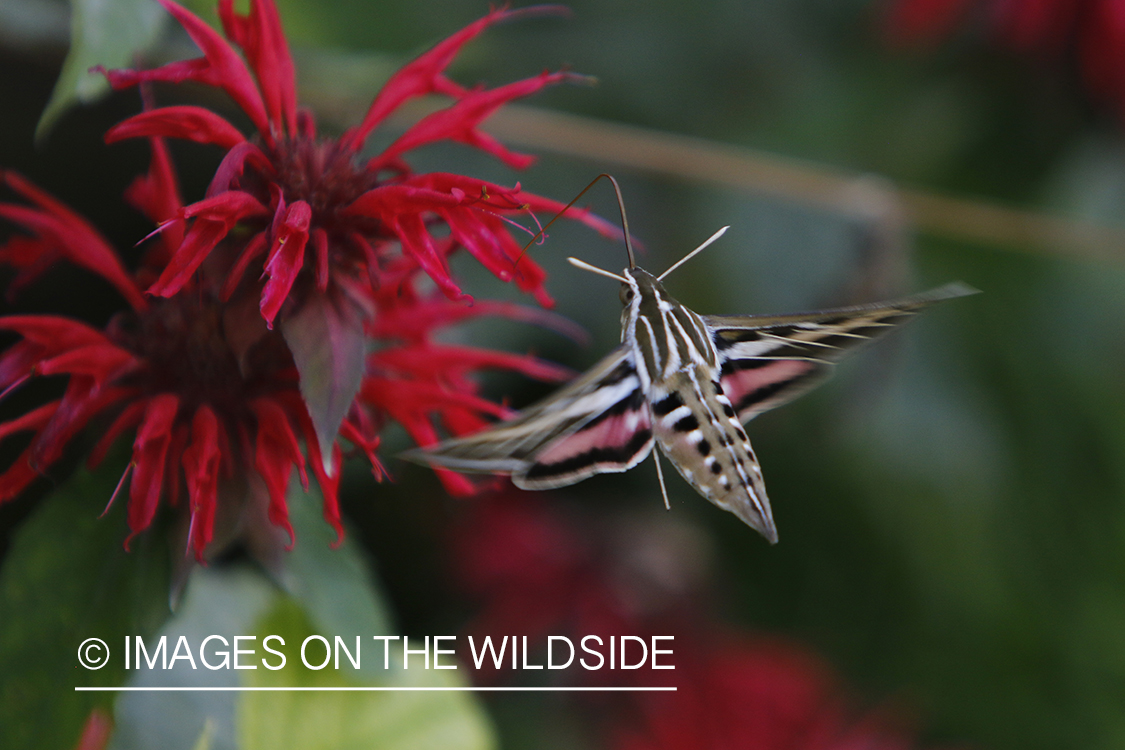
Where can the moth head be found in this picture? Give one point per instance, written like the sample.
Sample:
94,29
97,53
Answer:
627,294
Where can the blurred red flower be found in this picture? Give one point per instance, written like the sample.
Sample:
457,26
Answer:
753,693
96,732
1092,31
537,570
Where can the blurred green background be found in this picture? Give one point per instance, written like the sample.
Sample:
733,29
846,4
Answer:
952,505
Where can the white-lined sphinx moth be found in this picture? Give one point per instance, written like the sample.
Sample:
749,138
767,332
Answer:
683,381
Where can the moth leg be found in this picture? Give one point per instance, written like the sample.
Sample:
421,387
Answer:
660,476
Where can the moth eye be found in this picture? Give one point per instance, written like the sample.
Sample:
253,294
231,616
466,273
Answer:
626,294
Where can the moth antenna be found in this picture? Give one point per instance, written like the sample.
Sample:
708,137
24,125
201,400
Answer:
594,269
660,476
620,207
693,253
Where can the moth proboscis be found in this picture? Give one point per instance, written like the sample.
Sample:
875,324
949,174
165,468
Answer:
683,381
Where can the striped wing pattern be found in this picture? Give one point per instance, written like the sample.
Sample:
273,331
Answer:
599,423
766,361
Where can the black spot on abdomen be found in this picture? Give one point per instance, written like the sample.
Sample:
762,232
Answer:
667,405
687,424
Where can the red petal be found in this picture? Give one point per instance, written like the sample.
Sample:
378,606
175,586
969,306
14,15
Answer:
229,206
215,217
98,361
453,362
149,451
417,242
81,401
69,234
276,450
201,470
329,488
540,204
484,242
391,200
286,258
255,247
400,397
17,477
95,732
459,122
368,444
188,123
220,66
262,39
156,194
30,257
417,78
233,165
53,333
33,420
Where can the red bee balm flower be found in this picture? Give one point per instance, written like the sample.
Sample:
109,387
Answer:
333,237
323,217
210,392
203,408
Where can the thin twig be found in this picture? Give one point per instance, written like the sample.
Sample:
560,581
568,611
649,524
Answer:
701,160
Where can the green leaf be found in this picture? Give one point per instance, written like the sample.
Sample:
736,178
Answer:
334,588
67,578
334,584
226,600
102,32
345,720
204,741
326,339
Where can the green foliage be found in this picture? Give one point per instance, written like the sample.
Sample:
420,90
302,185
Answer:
333,583
319,590
343,720
110,33
68,578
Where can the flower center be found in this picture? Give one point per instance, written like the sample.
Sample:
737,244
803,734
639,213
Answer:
321,174
204,351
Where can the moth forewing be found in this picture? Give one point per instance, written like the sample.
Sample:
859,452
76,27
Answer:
766,361
598,423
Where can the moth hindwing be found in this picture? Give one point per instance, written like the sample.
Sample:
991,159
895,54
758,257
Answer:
685,382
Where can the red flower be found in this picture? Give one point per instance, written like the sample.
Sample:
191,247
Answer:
419,379
96,732
752,694
1093,30
539,571
320,216
210,394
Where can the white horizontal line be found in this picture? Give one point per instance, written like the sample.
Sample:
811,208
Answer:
341,689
